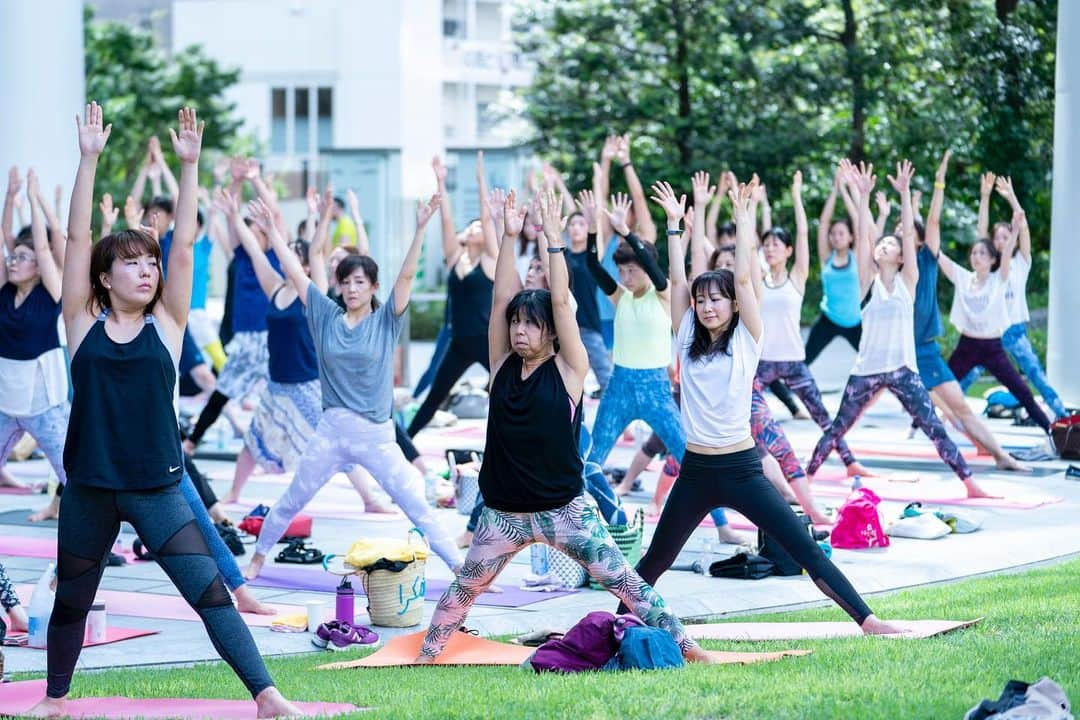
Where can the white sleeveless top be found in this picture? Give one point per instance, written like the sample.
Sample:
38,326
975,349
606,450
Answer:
888,330
781,340
979,310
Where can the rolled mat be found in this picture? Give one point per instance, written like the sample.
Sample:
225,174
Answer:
294,578
467,649
758,631
18,697
112,635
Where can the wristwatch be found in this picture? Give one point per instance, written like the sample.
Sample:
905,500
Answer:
556,250
672,233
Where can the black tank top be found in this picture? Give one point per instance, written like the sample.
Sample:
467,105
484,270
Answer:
470,302
123,434
531,460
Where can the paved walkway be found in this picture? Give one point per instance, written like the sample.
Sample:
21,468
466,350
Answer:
1010,538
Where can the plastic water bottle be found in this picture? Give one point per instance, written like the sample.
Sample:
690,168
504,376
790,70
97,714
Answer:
856,483
706,554
41,604
538,559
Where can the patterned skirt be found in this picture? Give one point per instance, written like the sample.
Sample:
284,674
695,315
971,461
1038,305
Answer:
283,423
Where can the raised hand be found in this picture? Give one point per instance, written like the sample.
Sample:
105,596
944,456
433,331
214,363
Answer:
261,215
33,188
620,210
495,200
586,203
622,149
943,167
252,170
353,202
426,211
133,213
226,202
549,216
513,216
439,168
901,182
187,143
92,134
312,200
703,192
1004,188
882,201
14,182
743,199
664,196
796,185
761,195
863,179
1019,217
986,183
109,212
479,166
238,167
610,149
326,204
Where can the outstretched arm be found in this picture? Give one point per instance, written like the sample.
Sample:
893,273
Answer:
901,182
571,349
14,185
267,195
269,278
646,226
1004,188
746,256
1010,245
801,269
932,230
362,243
675,210
287,259
451,249
507,282
109,214
986,186
861,180
403,284
712,218
699,263
487,220
884,208
320,241
47,267
825,220
166,173
187,143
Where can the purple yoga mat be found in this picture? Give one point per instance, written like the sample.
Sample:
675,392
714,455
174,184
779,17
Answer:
290,578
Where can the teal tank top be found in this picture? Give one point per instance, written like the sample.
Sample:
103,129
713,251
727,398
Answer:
840,292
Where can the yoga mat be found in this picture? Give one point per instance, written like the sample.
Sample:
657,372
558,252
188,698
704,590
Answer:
19,518
169,607
937,492
18,697
735,520
38,548
294,578
325,510
467,649
8,490
112,635
928,453
756,631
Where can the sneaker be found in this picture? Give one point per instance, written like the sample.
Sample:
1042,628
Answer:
321,637
347,636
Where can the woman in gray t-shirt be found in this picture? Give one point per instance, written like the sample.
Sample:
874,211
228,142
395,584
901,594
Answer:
355,350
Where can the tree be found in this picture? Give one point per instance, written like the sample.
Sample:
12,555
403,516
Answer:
141,89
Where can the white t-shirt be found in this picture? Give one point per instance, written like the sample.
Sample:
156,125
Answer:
1016,289
716,391
781,307
888,330
978,309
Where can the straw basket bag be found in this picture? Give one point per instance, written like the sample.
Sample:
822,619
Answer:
628,539
396,599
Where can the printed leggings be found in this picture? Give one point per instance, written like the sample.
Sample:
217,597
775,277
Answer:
906,385
461,353
1018,346
48,428
798,378
344,438
89,522
8,597
574,529
735,480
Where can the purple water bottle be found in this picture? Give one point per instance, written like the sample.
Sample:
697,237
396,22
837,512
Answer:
344,608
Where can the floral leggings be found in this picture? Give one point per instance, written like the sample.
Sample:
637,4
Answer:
797,377
770,437
574,529
906,385
8,598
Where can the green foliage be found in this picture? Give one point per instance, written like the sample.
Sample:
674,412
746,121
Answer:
141,88
426,318
771,87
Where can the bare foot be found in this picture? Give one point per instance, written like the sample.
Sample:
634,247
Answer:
272,704
254,567
873,626
624,488
465,539
17,619
857,468
697,654
423,660
974,491
652,510
725,534
49,512
374,506
801,415
48,707
246,602
819,518
229,498
1009,463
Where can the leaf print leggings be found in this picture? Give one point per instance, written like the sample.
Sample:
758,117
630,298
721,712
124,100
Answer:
905,384
574,529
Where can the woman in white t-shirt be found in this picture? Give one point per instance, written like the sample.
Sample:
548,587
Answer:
886,358
719,330
981,314
1014,339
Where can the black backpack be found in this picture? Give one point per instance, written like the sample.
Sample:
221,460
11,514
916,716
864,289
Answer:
742,566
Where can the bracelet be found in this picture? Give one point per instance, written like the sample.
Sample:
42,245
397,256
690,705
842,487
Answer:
623,167
939,185
673,233
556,250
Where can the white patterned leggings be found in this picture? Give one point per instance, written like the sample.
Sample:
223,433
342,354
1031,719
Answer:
48,428
342,439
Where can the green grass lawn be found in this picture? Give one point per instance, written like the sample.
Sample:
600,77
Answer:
1032,628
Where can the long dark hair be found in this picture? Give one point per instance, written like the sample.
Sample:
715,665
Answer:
995,256
702,346
125,244
349,265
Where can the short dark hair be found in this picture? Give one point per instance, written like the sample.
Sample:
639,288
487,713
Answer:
570,275
351,263
124,244
727,228
718,252
301,248
160,202
702,345
780,234
624,254
339,202
845,221
199,219
533,306
995,256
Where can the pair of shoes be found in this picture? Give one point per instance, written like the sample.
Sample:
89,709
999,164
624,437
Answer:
337,635
298,553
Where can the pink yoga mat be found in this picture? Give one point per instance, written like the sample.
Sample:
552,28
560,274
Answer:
328,510
112,634
755,631
8,490
937,492
168,607
37,547
18,697
929,453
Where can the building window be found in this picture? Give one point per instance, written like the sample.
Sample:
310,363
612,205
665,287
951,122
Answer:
277,121
325,114
301,119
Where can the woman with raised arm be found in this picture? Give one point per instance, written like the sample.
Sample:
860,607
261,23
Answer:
782,354
1014,339
470,257
719,332
122,454
888,276
839,281
531,474
355,352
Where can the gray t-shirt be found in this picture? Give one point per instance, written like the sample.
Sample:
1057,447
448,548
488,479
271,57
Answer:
356,365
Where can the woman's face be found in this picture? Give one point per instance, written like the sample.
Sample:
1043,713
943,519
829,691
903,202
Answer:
474,235
713,310
840,236
1001,237
132,282
527,338
777,251
887,252
981,259
22,266
724,261
578,229
633,277
535,279
357,290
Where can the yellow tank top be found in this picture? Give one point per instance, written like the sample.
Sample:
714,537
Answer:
642,332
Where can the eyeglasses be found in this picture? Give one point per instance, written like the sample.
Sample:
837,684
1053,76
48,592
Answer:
17,258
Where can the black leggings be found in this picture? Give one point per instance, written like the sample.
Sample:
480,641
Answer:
208,416
405,442
822,333
736,481
89,522
202,485
463,352
784,395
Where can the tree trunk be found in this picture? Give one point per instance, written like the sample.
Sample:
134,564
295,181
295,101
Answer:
682,135
854,69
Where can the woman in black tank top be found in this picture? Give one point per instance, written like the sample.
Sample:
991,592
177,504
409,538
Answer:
531,475
122,454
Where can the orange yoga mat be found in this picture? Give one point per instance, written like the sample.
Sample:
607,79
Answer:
466,649
756,631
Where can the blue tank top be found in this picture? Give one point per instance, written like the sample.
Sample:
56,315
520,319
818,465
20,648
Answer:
928,327
27,331
840,292
249,303
113,442
292,350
